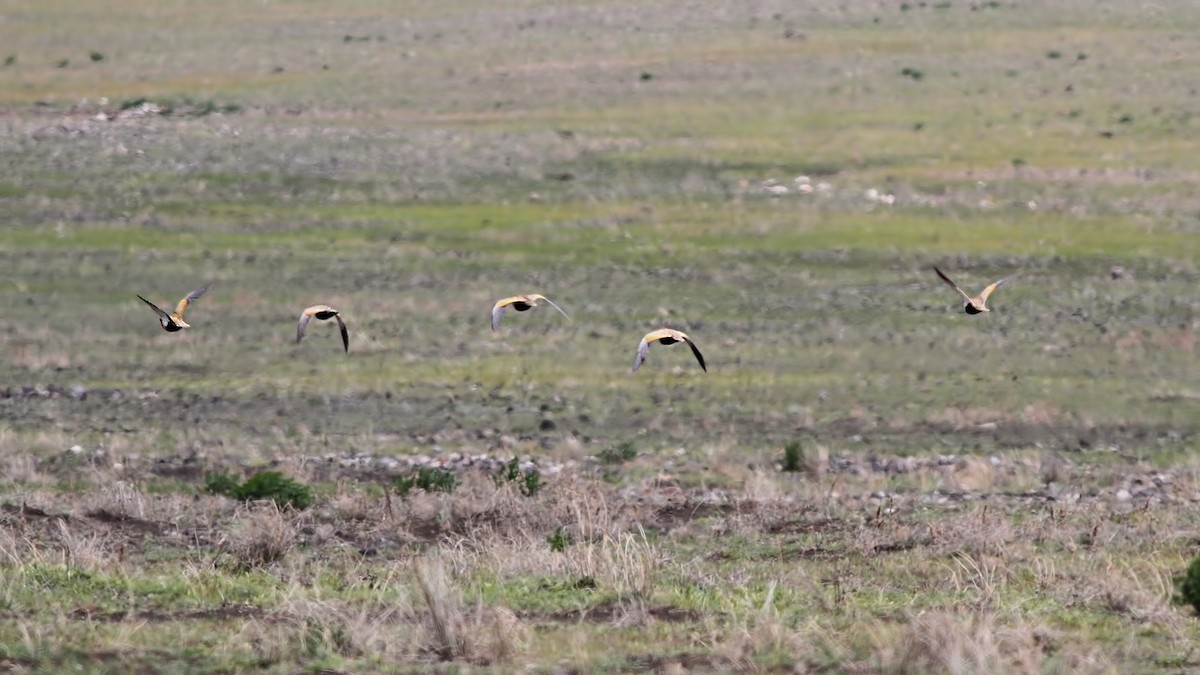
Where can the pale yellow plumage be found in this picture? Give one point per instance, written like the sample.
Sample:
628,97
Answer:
972,305
322,313
520,303
174,321
666,336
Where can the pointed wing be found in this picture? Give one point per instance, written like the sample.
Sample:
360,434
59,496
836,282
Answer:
159,312
190,297
303,325
699,356
551,302
345,333
643,350
951,283
988,291
497,313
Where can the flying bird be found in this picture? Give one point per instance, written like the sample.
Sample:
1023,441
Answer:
978,303
322,313
174,321
520,303
665,336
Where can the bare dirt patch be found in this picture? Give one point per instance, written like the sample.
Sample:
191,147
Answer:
616,611
226,613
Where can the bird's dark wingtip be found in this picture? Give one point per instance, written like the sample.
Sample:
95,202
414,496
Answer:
699,356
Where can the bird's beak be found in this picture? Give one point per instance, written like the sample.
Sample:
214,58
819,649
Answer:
183,325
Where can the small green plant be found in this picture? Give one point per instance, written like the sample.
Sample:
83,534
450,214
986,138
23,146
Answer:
1189,586
560,540
510,472
130,103
912,74
10,60
63,63
277,487
793,457
617,454
530,482
96,57
220,483
429,479
1054,54
583,583
263,485
404,484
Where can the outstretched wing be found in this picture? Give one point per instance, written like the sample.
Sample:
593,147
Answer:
190,297
951,283
642,352
303,325
551,302
699,356
497,313
159,312
345,333
988,291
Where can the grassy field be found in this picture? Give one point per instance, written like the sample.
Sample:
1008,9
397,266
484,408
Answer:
1009,492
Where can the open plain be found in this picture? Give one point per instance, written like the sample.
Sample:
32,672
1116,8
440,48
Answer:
865,480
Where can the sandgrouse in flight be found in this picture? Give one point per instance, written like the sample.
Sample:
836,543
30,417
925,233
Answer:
665,336
520,303
977,304
322,313
174,321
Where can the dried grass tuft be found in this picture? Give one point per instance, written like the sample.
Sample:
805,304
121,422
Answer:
957,643
260,535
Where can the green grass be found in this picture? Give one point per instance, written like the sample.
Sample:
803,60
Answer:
623,159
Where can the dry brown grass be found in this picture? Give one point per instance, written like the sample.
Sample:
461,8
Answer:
486,635
968,642
260,534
